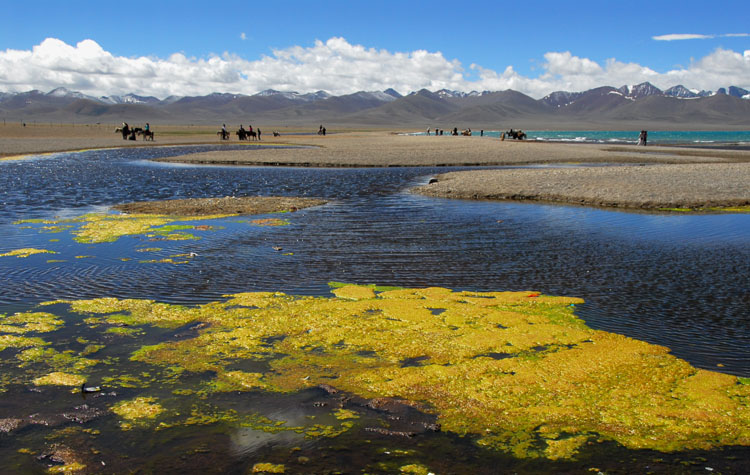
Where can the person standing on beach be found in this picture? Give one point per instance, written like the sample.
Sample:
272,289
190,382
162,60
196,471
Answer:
428,131
642,138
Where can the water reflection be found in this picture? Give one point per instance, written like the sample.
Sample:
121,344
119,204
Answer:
675,280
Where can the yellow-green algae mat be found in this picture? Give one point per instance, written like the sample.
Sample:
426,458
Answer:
102,227
516,371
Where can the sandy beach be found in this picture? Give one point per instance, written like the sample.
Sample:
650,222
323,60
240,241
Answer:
674,176
645,187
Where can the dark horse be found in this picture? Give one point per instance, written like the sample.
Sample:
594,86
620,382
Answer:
243,134
147,134
516,134
223,134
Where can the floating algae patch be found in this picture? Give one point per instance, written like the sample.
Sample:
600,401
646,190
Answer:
270,222
513,371
26,252
24,322
137,412
59,379
268,468
101,227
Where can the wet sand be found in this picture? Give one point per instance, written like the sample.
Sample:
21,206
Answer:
380,149
679,177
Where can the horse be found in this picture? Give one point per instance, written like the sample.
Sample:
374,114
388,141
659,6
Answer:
276,134
147,134
223,134
516,134
466,133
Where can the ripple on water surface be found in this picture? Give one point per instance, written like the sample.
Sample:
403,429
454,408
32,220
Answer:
675,280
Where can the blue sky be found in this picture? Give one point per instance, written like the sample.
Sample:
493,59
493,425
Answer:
491,35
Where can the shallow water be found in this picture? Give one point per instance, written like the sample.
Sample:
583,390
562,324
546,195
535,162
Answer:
674,280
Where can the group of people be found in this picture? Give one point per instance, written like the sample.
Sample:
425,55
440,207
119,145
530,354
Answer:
466,132
129,133
321,130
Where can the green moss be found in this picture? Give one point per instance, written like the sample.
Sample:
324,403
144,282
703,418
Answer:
26,252
16,341
415,468
101,227
268,468
166,260
60,379
25,322
137,411
515,371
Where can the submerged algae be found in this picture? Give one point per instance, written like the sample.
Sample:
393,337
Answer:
516,370
26,252
101,227
137,410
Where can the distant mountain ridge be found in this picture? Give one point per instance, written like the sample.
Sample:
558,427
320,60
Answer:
635,104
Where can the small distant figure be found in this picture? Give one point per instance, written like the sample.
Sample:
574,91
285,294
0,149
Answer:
258,131
481,133
643,138
320,130
428,131
223,132
455,131
276,133
441,131
324,131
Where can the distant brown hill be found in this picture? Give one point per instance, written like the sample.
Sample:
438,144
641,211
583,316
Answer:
640,106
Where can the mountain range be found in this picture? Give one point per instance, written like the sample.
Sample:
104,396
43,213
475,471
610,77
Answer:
639,106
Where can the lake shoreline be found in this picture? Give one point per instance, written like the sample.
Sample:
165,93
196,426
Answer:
681,176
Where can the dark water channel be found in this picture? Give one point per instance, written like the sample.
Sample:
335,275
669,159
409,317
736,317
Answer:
676,280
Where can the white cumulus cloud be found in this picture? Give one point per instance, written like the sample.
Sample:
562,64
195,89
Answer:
336,66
